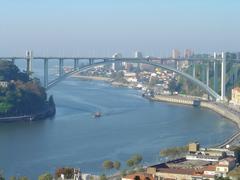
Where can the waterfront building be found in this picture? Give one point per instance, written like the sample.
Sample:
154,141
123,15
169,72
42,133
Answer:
193,147
238,55
225,165
199,163
147,67
182,65
3,84
236,96
175,54
187,53
138,176
138,54
130,77
128,66
117,65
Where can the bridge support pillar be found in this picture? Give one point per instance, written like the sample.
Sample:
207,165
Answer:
215,73
29,56
29,66
203,73
161,61
207,74
194,71
45,73
61,71
176,64
223,77
76,62
13,60
90,61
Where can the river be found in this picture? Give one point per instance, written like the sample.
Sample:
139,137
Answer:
130,124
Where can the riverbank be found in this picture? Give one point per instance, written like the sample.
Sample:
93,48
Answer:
176,99
96,78
105,79
44,114
216,107
184,100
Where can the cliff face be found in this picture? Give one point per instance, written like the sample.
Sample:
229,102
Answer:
20,94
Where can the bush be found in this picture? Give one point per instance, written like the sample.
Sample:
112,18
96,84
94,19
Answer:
107,164
45,176
68,172
103,177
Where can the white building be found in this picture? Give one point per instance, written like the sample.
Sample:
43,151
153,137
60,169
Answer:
138,54
225,165
3,84
117,65
175,54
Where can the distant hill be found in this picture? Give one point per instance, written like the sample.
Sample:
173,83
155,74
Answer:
20,94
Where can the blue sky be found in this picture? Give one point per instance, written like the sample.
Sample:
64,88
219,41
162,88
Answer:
102,27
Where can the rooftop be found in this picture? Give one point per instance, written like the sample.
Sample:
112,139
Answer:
142,176
236,89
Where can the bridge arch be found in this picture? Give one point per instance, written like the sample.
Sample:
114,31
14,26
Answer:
195,81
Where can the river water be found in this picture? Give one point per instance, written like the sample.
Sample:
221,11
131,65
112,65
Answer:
130,124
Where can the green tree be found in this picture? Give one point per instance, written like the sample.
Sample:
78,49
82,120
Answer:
123,172
23,178
236,150
68,172
117,165
1,175
107,164
137,159
13,178
46,176
130,163
2,178
103,177
23,95
174,151
172,86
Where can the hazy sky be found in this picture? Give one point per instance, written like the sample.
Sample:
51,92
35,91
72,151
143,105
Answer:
102,27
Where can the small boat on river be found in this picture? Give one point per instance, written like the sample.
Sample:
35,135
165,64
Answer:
97,114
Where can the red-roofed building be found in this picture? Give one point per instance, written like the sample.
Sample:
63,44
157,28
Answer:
236,96
139,176
225,165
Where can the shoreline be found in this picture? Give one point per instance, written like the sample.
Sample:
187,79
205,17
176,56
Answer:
89,78
176,99
49,112
183,100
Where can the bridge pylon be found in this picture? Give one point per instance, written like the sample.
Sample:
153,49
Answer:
45,73
29,57
223,76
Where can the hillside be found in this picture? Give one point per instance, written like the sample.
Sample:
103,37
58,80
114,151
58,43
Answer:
20,94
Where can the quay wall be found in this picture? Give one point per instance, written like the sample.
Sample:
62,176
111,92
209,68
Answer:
205,104
222,111
173,99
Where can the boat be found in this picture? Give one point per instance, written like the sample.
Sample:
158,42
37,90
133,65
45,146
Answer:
97,114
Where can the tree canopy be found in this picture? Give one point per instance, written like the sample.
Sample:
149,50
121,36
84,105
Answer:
107,164
23,95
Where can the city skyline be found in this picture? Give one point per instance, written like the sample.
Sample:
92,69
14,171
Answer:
103,28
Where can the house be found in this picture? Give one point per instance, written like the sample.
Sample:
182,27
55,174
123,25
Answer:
225,165
3,84
138,176
236,96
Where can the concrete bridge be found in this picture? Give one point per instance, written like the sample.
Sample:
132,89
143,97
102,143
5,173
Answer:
154,61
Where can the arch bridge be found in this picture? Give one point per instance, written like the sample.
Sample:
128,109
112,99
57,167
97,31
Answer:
157,62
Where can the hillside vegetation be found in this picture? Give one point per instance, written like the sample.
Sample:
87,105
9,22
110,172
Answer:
23,95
